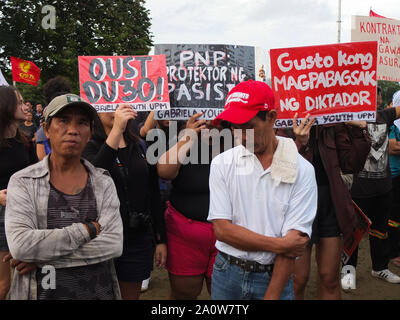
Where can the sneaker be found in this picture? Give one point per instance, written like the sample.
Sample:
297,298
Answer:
145,285
386,275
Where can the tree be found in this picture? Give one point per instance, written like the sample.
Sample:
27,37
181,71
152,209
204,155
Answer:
388,89
90,27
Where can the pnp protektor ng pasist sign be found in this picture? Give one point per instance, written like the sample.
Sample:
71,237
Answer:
334,83
201,75
141,81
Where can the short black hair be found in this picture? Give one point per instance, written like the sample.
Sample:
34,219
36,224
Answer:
262,114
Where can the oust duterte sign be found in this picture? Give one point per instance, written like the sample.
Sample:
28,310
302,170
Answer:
140,81
333,83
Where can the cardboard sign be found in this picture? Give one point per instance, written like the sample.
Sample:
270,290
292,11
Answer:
351,240
387,33
141,81
201,75
334,83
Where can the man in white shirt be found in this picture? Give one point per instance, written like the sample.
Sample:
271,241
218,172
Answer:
262,203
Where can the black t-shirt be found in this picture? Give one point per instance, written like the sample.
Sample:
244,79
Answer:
375,179
320,173
190,193
29,130
13,158
138,177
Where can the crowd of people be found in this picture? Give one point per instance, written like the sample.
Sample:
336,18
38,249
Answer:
239,211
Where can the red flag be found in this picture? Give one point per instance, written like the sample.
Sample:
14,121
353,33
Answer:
25,71
373,14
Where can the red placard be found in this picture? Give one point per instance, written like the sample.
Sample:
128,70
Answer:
25,71
351,240
334,83
141,81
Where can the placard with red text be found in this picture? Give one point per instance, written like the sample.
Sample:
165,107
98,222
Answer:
333,83
141,81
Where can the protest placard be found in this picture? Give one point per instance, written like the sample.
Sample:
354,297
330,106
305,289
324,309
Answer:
351,240
140,81
333,83
387,33
201,75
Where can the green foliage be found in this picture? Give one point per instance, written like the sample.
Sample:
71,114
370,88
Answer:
388,89
90,27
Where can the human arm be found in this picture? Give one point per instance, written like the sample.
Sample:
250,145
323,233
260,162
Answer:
122,115
149,124
160,255
293,244
20,266
397,112
220,213
302,131
156,207
394,147
283,268
170,162
261,73
3,197
108,243
26,241
40,151
394,140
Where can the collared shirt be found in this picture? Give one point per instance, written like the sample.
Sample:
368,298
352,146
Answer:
243,192
29,239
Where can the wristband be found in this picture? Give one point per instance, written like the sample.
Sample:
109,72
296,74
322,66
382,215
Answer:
92,230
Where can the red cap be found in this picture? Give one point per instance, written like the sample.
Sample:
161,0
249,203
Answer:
245,100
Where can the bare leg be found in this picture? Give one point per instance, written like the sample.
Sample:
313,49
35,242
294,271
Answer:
328,253
185,287
301,273
5,276
130,290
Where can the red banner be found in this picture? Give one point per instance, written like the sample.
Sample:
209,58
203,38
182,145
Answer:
334,83
373,14
24,71
141,81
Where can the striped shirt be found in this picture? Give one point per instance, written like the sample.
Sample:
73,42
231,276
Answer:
30,239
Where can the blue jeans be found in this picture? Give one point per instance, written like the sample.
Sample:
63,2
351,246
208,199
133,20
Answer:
230,282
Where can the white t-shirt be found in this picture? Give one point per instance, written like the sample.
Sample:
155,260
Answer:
242,192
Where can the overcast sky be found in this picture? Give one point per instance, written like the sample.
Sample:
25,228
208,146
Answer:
267,24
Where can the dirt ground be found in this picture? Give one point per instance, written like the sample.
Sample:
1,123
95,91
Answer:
368,288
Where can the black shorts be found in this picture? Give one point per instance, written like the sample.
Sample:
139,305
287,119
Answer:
136,262
325,224
3,239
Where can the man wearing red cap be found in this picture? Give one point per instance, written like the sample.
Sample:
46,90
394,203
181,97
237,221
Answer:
263,200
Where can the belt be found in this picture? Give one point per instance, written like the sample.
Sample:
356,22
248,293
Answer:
247,265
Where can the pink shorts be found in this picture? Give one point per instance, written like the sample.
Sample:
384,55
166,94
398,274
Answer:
191,245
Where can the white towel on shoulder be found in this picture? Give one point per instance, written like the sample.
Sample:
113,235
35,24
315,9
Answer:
284,165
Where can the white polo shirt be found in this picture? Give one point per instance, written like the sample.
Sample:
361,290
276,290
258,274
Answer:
243,192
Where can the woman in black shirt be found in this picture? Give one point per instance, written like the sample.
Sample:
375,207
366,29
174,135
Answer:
116,148
16,153
191,238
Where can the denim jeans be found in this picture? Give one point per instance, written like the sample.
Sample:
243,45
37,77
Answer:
230,282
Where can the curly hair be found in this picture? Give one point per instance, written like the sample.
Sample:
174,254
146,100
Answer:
56,87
